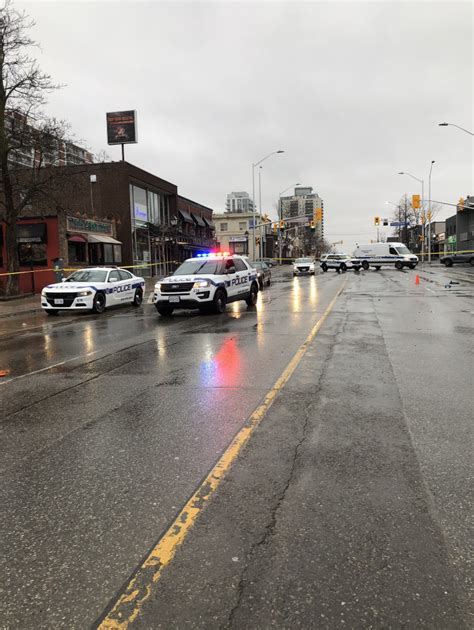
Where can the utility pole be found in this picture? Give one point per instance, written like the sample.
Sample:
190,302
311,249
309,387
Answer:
406,223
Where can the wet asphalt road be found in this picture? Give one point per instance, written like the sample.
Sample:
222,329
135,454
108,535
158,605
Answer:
110,424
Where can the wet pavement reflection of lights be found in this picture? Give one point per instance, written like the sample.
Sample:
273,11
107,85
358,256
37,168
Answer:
88,338
313,291
222,369
296,296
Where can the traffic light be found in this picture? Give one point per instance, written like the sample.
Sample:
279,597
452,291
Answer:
318,215
461,203
377,221
275,228
312,225
282,225
415,201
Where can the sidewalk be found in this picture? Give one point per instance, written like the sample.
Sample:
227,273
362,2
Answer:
32,303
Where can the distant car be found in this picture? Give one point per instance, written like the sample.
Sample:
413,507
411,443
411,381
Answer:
207,282
340,262
269,261
304,265
451,259
264,274
93,288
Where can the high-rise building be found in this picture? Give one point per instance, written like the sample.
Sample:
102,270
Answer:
309,206
238,202
25,154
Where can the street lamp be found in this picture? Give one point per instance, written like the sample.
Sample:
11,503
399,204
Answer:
422,209
445,124
280,217
253,195
429,212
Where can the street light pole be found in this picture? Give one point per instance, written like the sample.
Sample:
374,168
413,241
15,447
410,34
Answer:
260,211
429,212
280,218
445,124
253,196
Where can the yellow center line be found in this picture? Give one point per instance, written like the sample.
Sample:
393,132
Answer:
129,603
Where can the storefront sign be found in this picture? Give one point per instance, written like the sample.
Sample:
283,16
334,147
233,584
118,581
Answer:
76,224
122,127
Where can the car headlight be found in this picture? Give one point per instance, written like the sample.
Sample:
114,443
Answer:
259,274
201,284
84,293
157,286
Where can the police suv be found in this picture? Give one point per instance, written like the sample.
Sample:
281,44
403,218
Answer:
339,262
207,282
93,288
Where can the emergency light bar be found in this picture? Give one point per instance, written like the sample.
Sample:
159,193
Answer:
214,254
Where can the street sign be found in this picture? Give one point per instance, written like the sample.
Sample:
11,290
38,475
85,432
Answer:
398,223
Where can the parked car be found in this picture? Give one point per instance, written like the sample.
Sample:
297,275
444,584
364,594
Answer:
269,261
264,274
93,288
449,259
340,262
304,265
378,254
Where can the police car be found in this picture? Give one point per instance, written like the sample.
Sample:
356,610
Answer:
339,262
93,288
207,282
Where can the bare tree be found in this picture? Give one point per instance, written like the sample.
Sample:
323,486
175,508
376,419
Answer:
29,140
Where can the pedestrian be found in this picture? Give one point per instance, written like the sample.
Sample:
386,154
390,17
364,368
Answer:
58,266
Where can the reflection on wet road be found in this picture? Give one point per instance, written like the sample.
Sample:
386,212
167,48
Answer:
124,415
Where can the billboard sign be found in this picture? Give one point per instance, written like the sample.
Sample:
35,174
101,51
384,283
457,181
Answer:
122,127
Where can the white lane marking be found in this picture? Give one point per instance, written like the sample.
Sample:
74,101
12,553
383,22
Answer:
49,367
428,289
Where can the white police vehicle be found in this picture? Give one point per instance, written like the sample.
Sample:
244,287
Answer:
93,288
339,262
207,282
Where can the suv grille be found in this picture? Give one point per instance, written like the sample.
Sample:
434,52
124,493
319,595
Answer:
67,297
177,287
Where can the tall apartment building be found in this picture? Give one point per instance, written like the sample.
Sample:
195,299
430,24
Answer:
24,154
304,203
238,202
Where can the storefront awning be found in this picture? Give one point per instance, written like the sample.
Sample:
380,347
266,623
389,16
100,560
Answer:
186,216
198,220
99,238
209,223
76,238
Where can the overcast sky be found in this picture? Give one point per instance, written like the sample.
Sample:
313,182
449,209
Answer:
351,91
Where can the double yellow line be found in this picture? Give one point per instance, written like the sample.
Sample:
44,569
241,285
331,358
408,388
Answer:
142,585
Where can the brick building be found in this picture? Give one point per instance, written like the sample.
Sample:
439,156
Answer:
108,213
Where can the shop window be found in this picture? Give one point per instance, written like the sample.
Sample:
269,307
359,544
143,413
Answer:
117,254
76,252
108,253
32,254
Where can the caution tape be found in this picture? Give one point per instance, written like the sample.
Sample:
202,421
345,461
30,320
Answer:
71,269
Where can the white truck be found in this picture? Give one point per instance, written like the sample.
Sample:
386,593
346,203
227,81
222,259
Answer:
378,254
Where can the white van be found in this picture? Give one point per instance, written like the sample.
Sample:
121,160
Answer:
378,254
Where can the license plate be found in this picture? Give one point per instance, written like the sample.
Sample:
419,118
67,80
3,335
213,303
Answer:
174,298
59,301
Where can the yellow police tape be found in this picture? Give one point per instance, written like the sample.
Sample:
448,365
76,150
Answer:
71,269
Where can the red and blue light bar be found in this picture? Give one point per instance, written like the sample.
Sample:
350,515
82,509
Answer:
212,254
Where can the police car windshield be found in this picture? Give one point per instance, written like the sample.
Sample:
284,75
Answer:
88,275
193,267
304,260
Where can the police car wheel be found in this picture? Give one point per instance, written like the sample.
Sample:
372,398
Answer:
98,305
398,265
365,265
252,299
220,301
138,297
50,311
343,267
412,266
164,311
269,281
324,267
